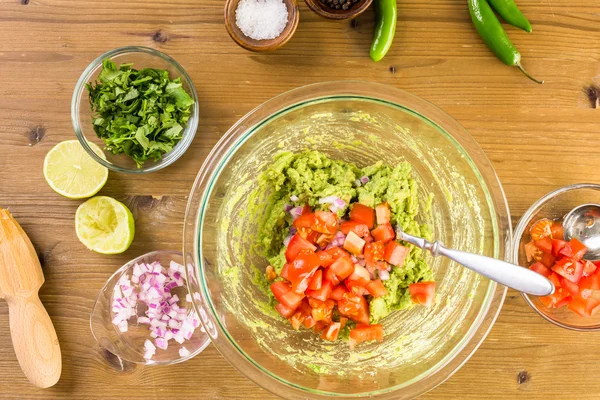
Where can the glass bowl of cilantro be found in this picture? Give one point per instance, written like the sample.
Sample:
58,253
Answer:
139,105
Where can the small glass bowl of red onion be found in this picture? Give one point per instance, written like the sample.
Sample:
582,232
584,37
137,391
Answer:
144,313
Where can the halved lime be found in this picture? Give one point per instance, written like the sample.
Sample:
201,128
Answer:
104,225
71,172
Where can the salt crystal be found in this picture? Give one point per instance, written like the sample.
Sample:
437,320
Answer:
261,19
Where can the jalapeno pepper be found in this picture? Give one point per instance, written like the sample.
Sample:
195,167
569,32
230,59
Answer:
490,30
509,11
385,29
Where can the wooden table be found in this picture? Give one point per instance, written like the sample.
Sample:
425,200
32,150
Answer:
538,138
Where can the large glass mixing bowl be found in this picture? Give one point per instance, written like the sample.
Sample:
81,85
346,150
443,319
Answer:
362,123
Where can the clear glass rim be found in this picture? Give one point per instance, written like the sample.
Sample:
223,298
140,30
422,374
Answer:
520,230
120,272
188,134
227,146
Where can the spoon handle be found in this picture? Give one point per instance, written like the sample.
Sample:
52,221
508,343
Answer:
507,274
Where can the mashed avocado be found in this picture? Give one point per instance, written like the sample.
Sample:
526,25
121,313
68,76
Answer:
310,176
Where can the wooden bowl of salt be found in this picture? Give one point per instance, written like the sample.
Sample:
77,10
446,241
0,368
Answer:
261,25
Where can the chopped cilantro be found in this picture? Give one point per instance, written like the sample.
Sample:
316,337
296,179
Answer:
139,113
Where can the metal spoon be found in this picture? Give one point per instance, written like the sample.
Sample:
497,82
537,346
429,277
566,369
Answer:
583,223
507,274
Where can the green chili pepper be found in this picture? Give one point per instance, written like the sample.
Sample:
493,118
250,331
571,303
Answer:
385,29
509,11
490,30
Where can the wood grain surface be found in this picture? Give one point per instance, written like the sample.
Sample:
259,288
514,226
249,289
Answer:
523,127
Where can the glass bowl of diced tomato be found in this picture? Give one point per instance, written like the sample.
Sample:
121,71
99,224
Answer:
249,310
541,246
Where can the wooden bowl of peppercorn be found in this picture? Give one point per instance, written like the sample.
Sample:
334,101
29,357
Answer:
338,9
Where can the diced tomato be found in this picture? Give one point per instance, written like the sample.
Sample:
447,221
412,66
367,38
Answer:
541,229
316,280
359,228
332,331
284,311
280,288
365,333
578,249
309,234
376,288
395,253
325,258
593,306
541,269
284,272
321,293
569,286
544,244
532,252
325,222
363,214
338,292
355,307
584,307
329,275
343,321
319,221
309,322
591,282
306,220
560,297
555,279
383,214
270,273
354,244
588,268
557,246
548,260
569,269
301,270
574,249
343,267
360,276
422,293
319,326
285,295
296,320
296,245
322,310
374,252
337,252
558,232
383,233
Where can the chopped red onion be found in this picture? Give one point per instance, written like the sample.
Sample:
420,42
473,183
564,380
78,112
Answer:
339,203
161,343
384,275
357,182
296,212
362,262
294,198
287,207
293,230
151,285
327,200
183,352
333,209
354,259
365,179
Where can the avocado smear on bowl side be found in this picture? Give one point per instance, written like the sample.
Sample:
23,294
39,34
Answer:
311,175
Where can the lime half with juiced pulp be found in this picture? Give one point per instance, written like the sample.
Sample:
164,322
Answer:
72,172
105,225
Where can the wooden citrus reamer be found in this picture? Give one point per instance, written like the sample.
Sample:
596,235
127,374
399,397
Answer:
31,329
